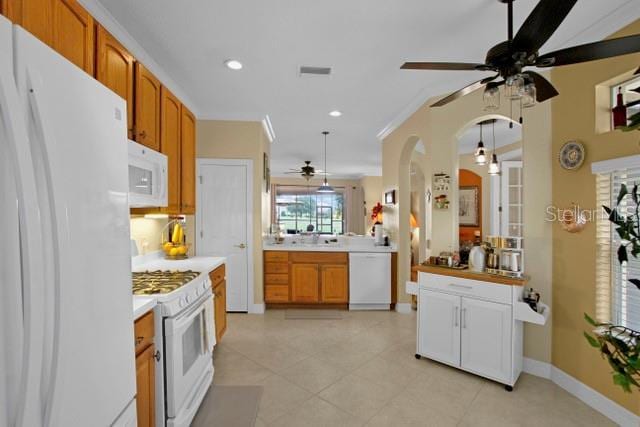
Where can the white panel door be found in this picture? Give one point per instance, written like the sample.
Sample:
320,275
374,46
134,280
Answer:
486,338
223,215
439,326
78,136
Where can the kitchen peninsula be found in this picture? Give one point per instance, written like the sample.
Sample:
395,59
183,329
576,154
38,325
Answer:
337,272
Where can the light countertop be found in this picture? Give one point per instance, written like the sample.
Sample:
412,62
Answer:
321,247
156,261
473,275
142,305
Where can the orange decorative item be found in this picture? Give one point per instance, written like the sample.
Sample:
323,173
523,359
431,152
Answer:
376,213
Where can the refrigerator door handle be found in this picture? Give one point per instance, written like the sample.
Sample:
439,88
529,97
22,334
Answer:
29,408
50,240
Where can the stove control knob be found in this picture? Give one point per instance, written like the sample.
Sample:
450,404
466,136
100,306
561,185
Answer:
181,302
186,299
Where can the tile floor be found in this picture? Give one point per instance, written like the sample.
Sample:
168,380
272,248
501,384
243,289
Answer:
361,370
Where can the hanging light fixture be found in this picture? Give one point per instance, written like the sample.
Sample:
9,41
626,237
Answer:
325,187
529,95
494,167
491,97
480,154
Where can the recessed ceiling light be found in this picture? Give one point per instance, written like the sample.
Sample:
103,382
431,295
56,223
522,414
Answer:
335,113
233,64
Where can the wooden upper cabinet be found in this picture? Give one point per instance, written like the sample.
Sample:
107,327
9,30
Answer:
304,282
114,69
170,113
335,283
34,16
147,110
4,7
74,33
188,162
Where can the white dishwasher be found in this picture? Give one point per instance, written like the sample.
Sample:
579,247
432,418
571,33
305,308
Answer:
369,281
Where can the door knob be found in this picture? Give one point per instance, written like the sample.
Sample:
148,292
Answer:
241,246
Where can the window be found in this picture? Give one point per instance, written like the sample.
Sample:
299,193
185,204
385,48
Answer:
298,207
618,300
630,95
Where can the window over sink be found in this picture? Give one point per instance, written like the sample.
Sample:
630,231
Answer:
297,208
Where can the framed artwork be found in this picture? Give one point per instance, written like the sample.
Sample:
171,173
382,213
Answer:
390,197
468,207
441,183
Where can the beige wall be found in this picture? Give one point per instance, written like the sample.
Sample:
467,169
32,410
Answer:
439,129
574,114
221,139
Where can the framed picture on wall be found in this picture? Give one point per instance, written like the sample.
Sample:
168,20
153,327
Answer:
468,207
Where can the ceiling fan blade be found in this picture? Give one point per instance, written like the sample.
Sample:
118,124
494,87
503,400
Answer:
541,23
464,91
544,88
447,66
591,51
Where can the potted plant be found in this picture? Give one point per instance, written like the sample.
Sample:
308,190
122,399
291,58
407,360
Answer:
376,216
618,344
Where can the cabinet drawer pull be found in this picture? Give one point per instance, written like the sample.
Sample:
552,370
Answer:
453,285
464,318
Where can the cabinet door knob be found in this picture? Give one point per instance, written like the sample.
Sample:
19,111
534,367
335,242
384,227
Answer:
157,355
142,134
139,340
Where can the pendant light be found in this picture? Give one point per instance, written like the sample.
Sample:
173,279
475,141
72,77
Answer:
494,167
325,187
480,154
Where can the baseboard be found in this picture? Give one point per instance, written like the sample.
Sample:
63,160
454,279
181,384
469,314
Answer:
256,309
403,307
597,401
537,368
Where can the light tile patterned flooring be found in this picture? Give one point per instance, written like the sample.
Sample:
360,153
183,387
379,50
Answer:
361,370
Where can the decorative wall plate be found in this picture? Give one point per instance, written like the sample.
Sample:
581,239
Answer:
571,155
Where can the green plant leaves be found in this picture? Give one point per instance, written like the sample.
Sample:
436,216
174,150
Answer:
592,341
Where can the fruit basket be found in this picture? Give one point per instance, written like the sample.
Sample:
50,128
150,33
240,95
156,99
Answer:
175,247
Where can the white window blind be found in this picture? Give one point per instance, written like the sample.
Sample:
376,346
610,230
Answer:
624,295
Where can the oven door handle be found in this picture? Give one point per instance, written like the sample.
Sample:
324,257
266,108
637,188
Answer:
185,319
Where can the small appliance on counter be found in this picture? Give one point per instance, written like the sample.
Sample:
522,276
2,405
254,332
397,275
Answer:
477,259
505,256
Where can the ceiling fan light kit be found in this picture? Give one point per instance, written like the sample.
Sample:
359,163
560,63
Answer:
510,57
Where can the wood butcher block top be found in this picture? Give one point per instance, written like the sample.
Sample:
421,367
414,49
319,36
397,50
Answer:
468,274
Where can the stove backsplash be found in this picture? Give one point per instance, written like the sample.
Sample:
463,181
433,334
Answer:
146,233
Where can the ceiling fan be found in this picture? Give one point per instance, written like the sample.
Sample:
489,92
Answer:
307,171
510,57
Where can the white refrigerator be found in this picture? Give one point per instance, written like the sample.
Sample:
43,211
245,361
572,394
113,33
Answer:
66,321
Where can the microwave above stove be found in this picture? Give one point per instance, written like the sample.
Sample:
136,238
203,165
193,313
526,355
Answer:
147,177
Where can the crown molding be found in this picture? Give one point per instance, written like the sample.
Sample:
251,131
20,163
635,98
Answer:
104,18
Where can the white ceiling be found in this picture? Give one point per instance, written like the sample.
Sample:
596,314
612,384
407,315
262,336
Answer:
505,135
364,41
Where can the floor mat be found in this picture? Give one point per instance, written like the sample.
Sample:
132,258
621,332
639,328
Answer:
229,406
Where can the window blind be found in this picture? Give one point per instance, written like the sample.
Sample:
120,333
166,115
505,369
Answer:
625,296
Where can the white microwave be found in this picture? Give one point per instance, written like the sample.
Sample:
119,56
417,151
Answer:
147,177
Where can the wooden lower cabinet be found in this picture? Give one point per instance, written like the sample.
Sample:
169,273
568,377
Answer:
299,277
335,283
219,288
220,309
145,383
304,283
145,370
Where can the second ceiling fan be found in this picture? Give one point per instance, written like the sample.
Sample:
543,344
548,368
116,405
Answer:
510,57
